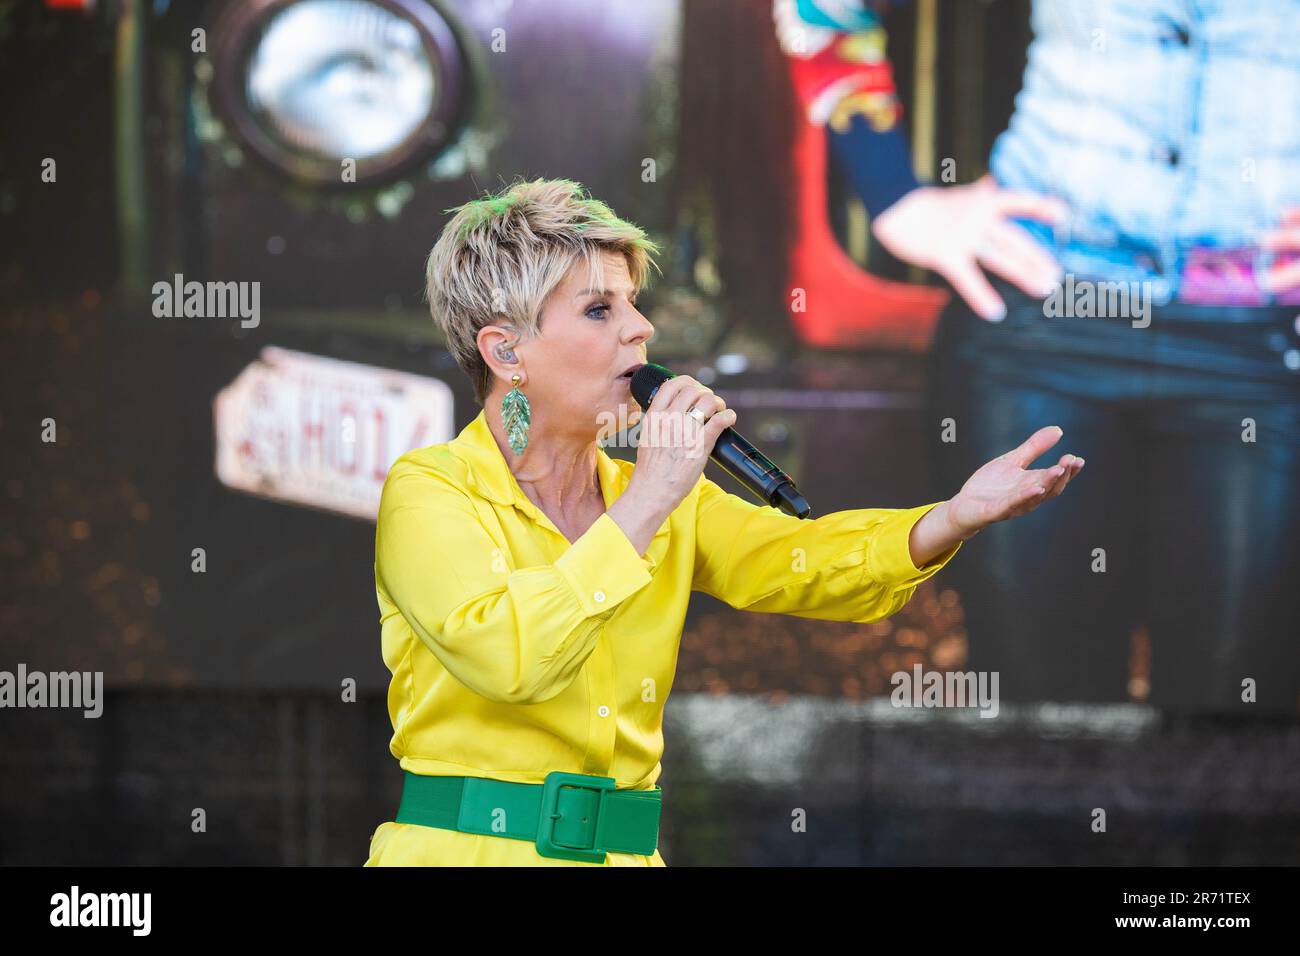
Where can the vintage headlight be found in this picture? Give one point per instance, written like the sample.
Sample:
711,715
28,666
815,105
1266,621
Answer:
307,85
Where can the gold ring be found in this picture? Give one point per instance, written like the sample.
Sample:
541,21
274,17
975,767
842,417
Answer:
695,413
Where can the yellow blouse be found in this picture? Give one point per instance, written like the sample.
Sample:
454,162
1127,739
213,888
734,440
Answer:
515,652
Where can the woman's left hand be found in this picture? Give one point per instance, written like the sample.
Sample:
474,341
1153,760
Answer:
1004,488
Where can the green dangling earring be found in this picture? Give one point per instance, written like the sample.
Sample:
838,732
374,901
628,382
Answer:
516,416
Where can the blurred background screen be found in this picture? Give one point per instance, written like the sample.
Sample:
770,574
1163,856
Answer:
189,500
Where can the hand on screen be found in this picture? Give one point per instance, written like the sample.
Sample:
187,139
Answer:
1285,241
956,229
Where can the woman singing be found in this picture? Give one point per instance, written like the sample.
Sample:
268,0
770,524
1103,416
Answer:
532,589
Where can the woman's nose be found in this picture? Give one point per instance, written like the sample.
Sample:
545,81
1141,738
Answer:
641,328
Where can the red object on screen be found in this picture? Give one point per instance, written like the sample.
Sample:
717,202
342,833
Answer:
70,4
846,306
843,305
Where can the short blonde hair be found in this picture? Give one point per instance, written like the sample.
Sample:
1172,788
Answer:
500,256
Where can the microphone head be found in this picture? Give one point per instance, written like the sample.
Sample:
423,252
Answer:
646,381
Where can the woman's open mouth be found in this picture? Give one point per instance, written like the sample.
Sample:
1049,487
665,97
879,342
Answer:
628,372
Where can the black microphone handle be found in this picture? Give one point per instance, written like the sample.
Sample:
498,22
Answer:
749,466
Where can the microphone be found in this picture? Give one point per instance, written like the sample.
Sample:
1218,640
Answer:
737,457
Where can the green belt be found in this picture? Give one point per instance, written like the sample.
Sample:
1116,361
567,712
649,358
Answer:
572,816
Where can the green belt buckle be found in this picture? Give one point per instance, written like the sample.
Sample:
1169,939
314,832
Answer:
568,827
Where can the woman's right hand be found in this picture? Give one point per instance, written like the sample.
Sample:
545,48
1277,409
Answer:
674,447
672,451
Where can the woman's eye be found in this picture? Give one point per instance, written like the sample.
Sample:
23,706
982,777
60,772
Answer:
597,311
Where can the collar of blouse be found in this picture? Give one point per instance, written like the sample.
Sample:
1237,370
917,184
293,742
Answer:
489,473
